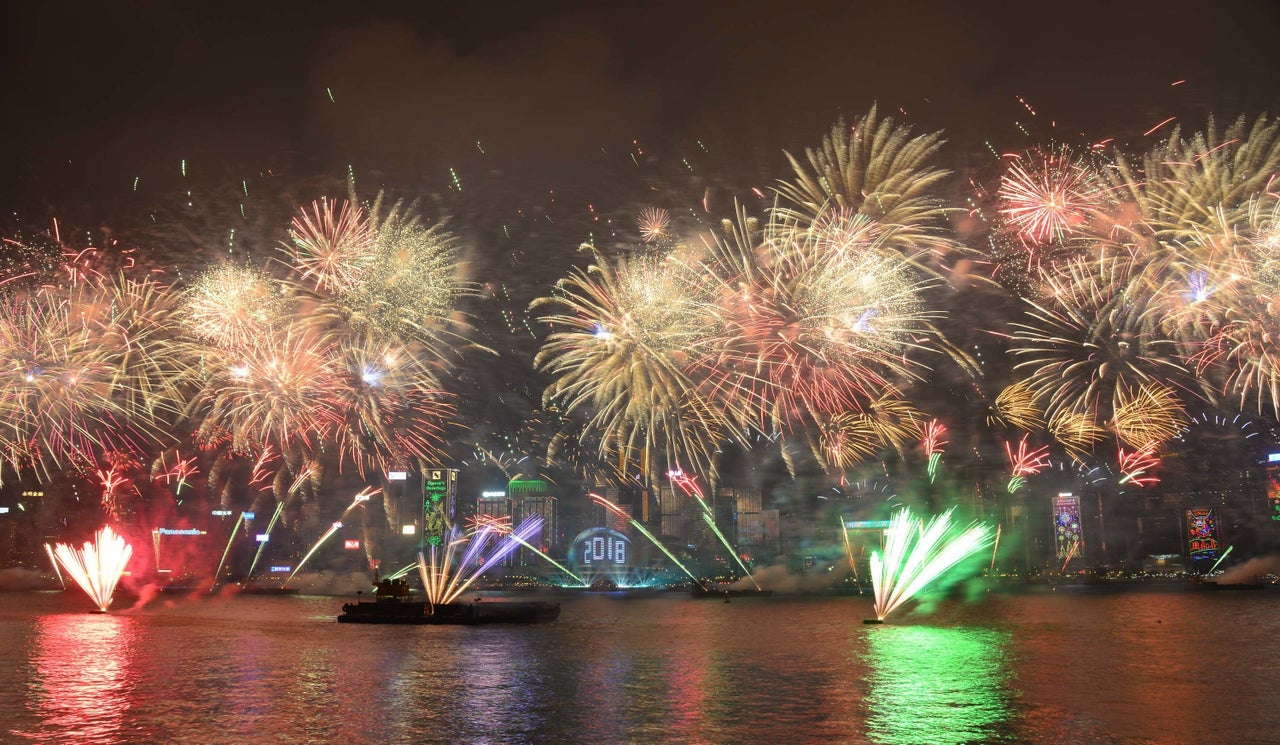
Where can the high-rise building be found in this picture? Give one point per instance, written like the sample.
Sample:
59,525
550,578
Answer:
529,497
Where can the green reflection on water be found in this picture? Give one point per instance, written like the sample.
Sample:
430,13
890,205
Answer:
935,685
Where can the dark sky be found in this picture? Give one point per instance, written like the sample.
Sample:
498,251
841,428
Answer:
95,95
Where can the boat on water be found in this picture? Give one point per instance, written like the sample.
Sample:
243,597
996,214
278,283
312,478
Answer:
1213,584
698,591
463,614
393,604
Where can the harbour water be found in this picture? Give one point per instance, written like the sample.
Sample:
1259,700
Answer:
1075,665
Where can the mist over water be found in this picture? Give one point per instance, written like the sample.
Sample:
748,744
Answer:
1073,665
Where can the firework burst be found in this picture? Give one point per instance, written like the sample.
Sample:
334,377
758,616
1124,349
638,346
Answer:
916,554
877,169
625,332
331,246
807,332
654,222
1047,196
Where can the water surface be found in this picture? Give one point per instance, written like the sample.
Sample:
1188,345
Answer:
1072,666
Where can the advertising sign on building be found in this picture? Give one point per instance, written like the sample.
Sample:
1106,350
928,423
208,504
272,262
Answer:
1202,534
1068,537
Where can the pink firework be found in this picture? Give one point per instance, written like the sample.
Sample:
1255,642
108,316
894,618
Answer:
180,472
935,437
1136,467
1045,196
331,245
1026,461
687,483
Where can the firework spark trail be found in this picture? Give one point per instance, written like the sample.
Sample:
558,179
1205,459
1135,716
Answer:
98,565
1220,558
334,528
711,522
1136,466
445,580
995,548
848,552
1025,462
1075,545
689,485
539,552
230,539
935,434
56,568
916,554
615,509
275,516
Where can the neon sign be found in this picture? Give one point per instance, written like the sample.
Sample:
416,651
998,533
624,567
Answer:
1202,533
1067,535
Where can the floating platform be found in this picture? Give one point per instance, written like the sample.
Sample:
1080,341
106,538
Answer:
410,612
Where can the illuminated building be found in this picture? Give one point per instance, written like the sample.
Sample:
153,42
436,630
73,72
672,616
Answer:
528,497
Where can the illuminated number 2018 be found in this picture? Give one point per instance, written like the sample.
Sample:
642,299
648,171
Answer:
604,549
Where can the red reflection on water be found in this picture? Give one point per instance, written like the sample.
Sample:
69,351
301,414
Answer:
83,680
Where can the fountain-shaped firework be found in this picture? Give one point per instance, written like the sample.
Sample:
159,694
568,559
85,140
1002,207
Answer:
916,554
98,566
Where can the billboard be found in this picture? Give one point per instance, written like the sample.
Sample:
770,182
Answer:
1273,485
1067,536
1202,534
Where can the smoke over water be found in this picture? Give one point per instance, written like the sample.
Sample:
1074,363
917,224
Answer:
1252,570
779,579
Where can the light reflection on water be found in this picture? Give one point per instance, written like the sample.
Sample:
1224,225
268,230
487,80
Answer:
1120,668
932,685
82,682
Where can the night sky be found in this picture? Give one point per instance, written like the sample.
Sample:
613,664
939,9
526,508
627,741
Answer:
98,95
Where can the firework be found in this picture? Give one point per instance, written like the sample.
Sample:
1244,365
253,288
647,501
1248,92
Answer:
1148,415
1136,467
653,223
98,565
1098,331
1076,432
1231,331
874,168
86,371
624,334
388,404
1047,196
935,438
412,283
331,246
233,306
916,554
846,439
1024,462
445,576
275,391
1016,406
806,332
1179,186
